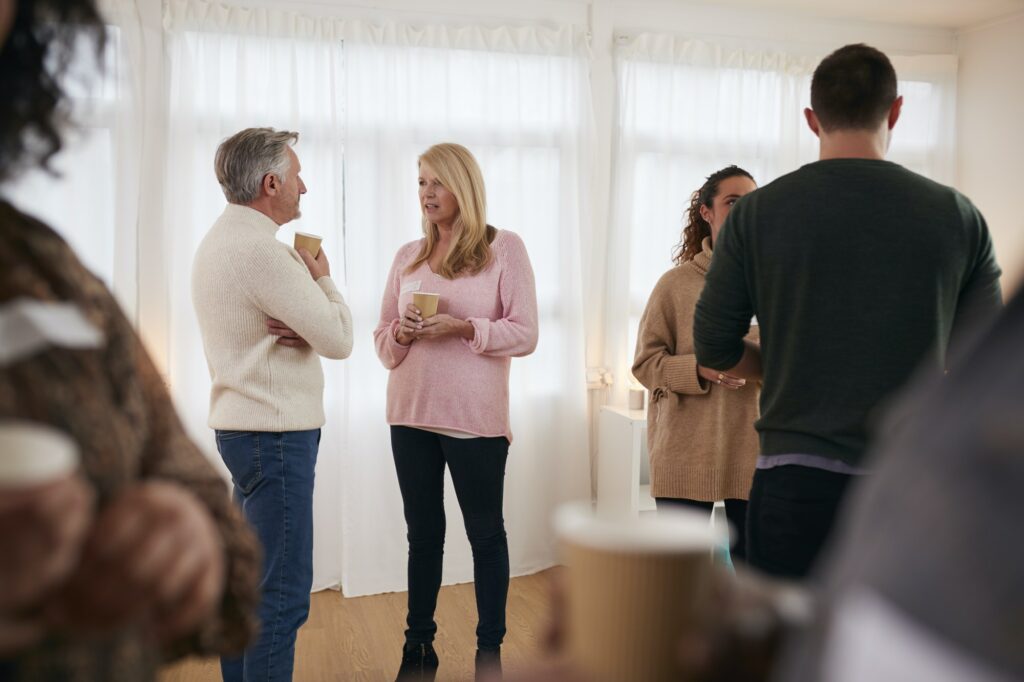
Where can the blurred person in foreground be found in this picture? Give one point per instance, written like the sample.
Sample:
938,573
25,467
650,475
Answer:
922,580
139,556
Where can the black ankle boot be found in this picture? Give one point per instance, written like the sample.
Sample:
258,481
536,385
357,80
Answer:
488,664
419,662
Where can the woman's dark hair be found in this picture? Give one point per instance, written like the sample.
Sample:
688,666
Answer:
33,59
695,228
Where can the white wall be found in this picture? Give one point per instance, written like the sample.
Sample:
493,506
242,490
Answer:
767,26
991,135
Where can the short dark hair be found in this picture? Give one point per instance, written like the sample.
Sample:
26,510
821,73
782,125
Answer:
33,60
853,88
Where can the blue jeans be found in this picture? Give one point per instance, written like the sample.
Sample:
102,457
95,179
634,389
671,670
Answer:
272,475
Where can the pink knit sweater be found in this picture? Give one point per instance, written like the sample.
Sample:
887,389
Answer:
454,383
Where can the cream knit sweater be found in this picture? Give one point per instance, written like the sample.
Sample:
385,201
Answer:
700,436
242,275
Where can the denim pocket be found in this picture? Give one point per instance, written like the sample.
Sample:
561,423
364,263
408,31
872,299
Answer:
231,435
240,451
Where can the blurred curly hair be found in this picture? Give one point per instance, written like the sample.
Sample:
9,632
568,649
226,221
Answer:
44,37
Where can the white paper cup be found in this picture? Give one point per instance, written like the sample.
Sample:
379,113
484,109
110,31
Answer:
635,586
34,454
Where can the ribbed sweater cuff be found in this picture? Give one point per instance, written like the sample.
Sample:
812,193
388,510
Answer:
482,327
400,348
327,285
681,375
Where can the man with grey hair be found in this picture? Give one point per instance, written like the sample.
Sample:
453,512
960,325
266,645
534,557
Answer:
267,313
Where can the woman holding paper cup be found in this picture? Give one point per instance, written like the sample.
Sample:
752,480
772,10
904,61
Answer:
119,547
458,305
700,423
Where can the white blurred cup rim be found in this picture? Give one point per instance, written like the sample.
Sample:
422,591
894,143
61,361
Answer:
34,454
670,531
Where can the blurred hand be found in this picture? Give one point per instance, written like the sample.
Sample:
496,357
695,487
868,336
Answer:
749,617
555,668
286,335
43,530
721,378
154,557
318,267
441,325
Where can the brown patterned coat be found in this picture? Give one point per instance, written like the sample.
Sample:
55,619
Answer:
113,402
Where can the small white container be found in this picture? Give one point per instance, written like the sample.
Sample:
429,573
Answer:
637,398
33,454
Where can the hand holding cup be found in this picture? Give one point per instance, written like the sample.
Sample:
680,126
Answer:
153,557
309,242
45,513
318,266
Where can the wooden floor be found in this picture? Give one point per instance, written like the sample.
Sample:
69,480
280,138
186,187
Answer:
361,639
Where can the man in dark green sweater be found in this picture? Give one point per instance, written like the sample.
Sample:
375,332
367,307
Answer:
859,271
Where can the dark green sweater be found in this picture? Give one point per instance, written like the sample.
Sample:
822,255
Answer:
858,271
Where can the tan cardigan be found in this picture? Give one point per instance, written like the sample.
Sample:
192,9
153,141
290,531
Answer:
700,436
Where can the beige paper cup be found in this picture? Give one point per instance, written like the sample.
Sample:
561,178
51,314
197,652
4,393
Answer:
427,303
309,242
34,454
634,587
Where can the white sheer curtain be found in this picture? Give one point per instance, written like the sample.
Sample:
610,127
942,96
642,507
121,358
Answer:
366,101
687,108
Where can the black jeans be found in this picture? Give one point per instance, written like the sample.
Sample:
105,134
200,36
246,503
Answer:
477,466
790,516
735,511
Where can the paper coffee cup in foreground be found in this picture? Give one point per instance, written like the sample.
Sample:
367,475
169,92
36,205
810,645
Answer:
34,454
634,587
309,242
426,302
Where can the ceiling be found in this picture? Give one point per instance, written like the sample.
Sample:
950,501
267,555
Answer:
952,14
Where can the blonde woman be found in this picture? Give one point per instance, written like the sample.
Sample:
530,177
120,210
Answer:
700,426
447,400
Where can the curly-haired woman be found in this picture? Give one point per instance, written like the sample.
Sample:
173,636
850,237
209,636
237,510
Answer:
700,425
138,556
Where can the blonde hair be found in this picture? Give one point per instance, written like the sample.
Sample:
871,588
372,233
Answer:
460,174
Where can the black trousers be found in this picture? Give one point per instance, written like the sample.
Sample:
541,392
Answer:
790,516
477,467
735,511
